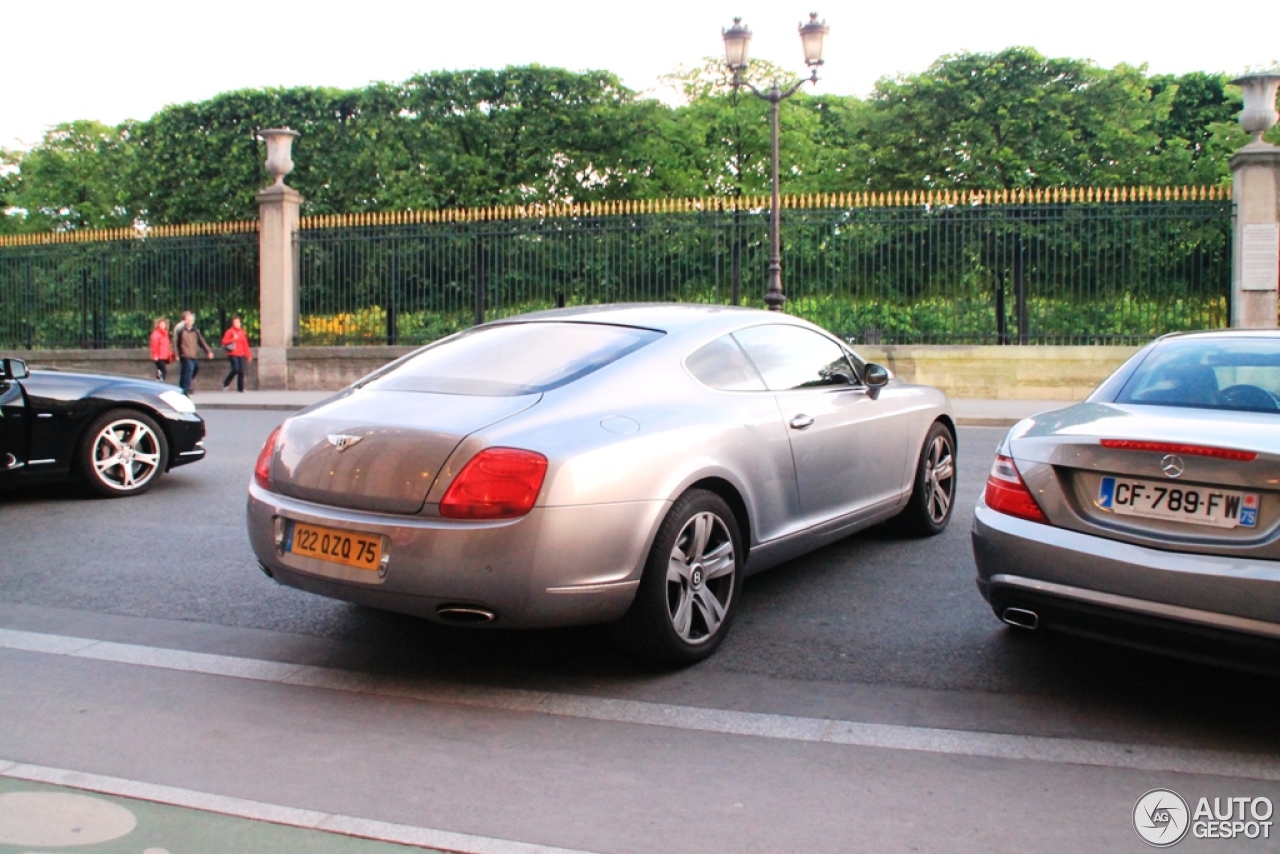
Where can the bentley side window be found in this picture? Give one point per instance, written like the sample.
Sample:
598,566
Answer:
791,357
723,366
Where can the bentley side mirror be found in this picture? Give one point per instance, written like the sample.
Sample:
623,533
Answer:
15,369
876,378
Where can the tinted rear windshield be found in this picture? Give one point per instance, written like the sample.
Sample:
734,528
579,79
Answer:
1229,373
514,358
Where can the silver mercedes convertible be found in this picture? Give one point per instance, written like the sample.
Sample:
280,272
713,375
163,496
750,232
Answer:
612,464
1149,513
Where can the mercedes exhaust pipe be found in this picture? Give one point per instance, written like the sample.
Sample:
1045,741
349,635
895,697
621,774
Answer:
1021,618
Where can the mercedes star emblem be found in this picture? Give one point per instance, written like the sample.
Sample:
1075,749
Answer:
1172,465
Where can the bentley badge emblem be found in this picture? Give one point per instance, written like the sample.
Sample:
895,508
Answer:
342,441
1170,464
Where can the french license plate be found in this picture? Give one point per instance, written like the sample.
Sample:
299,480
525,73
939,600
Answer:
350,548
1198,505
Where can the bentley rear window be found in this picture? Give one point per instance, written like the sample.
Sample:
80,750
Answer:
1227,373
513,358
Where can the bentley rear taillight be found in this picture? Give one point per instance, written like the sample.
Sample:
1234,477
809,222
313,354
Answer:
1007,493
262,470
498,483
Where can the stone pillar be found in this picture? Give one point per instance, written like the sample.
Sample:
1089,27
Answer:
278,212
1255,262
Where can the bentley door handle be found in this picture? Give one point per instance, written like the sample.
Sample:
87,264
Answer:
801,422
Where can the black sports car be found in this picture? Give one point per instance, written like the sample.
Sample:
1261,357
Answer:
116,434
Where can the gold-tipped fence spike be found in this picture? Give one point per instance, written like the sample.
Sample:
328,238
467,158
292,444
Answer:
633,207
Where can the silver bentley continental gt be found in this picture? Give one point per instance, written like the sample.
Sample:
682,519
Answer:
1149,513
612,464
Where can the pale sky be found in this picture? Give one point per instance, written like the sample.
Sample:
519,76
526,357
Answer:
88,59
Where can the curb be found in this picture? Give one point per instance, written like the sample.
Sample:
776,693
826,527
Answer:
272,407
978,421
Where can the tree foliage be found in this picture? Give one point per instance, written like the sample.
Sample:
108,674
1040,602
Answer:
530,134
78,177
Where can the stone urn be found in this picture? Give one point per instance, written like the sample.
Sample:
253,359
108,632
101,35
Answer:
1259,113
279,152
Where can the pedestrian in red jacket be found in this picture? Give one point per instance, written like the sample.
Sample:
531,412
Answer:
236,343
161,351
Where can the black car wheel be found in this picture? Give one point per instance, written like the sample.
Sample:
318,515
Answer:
123,453
934,490
691,584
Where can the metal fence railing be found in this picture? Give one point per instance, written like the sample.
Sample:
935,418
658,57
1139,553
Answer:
922,272
106,293
1048,267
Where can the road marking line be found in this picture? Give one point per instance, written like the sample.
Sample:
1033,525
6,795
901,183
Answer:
1070,751
346,825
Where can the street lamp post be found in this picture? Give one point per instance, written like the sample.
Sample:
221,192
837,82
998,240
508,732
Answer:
736,41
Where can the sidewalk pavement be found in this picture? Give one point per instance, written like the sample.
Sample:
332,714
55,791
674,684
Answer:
969,412
36,815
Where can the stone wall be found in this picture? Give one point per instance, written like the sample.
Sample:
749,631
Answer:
1003,373
133,363
1000,373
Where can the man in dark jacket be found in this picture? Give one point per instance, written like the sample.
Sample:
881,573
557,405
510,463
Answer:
187,342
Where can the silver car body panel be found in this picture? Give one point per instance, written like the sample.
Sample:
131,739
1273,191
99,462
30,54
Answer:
622,443
1060,458
1017,555
501,565
379,450
1197,616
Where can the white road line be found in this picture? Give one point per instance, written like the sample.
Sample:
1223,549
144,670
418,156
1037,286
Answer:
382,831
1070,751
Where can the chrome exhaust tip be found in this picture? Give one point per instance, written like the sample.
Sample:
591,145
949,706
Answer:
465,614
1021,618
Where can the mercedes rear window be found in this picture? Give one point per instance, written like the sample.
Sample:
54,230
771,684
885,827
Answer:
512,358
1240,374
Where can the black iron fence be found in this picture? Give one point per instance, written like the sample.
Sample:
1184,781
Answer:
96,294
895,270
1054,267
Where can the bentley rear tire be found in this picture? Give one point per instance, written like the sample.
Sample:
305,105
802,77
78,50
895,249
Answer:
692,581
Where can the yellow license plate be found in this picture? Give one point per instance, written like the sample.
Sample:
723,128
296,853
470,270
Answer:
350,548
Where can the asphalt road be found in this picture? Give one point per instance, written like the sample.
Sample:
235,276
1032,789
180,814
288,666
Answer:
871,610
874,628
